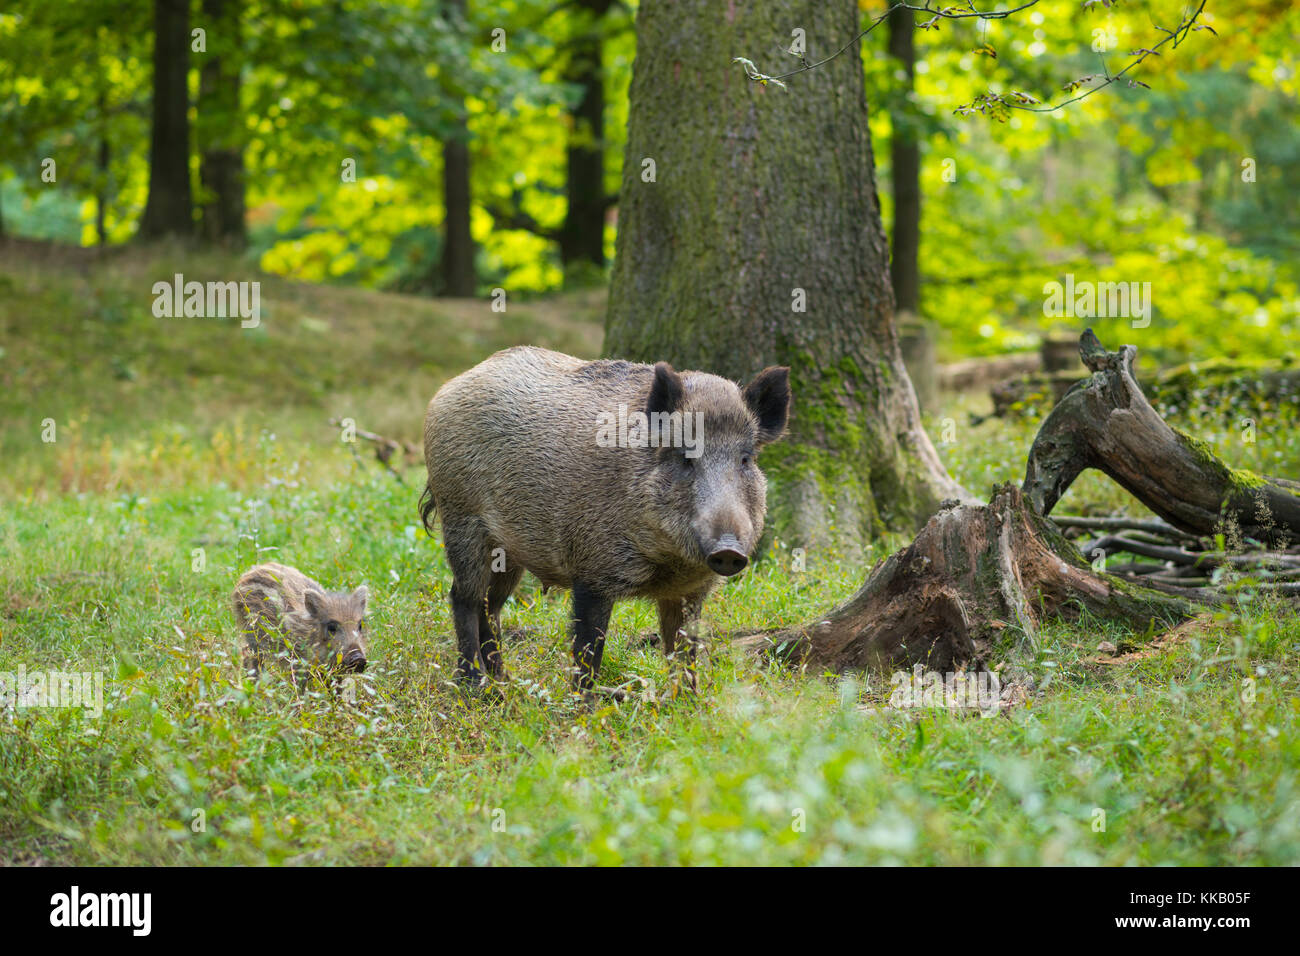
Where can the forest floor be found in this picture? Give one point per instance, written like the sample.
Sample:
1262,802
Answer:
186,450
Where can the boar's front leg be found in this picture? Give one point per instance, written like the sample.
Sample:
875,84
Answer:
679,622
591,611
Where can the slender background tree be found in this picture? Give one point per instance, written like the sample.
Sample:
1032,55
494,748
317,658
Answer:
170,209
221,126
905,169
582,237
456,268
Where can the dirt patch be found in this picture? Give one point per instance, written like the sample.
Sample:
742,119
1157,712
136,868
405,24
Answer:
1123,655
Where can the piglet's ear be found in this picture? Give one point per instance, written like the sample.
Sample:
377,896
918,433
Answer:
314,602
359,598
768,397
666,392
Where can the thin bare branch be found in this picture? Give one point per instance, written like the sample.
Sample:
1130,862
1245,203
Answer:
995,103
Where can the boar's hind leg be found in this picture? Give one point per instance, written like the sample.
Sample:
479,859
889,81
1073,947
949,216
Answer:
489,621
465,612
590,620
469,555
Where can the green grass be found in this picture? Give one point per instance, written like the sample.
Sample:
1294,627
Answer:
215,441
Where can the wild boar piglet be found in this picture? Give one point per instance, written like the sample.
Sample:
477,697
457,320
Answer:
286,616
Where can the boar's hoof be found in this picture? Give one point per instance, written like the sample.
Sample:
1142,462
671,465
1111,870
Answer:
469,677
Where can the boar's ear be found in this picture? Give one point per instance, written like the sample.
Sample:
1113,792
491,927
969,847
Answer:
666,392
768,397
314,602
359,598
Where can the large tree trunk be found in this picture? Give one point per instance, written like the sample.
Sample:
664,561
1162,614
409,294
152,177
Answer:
582,237
221,139
170,207
905,162
456,269
755,239
102,171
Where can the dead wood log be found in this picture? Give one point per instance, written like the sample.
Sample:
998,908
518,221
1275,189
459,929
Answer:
979,578
975,579
1029,392
1202,560
1155,526
1107,423
1241,386
981,372
1241,389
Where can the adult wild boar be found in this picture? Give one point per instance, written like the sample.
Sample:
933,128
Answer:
543,462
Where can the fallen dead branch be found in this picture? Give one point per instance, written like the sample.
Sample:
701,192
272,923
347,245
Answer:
385,448
1105,422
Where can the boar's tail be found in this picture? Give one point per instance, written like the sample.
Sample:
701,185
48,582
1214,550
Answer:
427,508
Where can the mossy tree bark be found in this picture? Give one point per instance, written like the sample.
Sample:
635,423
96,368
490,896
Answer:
750,235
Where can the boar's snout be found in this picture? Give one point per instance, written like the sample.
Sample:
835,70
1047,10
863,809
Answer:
727,558
355,661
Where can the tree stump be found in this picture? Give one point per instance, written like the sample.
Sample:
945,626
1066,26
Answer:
976,578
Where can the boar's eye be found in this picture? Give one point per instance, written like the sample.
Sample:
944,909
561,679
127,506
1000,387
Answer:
332,627
746,459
